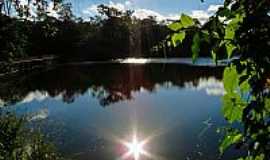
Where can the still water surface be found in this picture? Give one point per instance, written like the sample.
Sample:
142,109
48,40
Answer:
91,111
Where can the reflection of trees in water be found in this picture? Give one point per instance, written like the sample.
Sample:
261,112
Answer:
110,83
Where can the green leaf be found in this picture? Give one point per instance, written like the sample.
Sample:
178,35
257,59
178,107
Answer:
186,21
215,35
230,79
206,35
222,43
195,48
232,107
258,157
245,86
233,102
175,26
233,26
205,32
267,104
230,139
169,43
178,38
214,56
224,12
237,19
229,32
230,48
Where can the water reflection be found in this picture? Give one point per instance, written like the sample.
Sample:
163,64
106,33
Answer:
211,86
89,111
108,85
135,148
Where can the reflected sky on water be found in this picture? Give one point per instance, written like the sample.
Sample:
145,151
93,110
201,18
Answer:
107,111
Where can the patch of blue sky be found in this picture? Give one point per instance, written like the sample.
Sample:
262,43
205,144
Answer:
164,7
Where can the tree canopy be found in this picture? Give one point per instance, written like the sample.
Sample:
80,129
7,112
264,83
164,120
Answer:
241,28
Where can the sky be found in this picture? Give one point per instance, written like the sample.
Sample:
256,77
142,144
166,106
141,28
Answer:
162,9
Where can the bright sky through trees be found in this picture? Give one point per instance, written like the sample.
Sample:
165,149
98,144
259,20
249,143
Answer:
159,8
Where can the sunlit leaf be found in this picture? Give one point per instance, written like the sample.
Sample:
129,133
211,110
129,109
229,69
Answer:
232,107
205,32
245,86
175,26
229,32
169,43
230,79
178,38
222,43
230,139
186,21
258,157
233,104
233,26
230,48
214,56
195,48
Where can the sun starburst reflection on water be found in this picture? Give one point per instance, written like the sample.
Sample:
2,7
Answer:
135,148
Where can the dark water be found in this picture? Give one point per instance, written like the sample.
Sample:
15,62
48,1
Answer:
89,110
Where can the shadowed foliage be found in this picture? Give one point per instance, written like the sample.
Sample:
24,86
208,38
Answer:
241,28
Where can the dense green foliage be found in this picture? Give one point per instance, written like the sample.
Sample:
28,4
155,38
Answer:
18,142
244,33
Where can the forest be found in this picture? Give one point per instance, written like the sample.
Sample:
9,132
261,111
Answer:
109,35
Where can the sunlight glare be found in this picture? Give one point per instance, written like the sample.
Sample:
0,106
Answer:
135,148
135,60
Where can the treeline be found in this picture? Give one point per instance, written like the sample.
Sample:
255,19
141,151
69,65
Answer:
111,34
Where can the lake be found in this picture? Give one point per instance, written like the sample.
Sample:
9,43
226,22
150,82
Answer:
107,111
